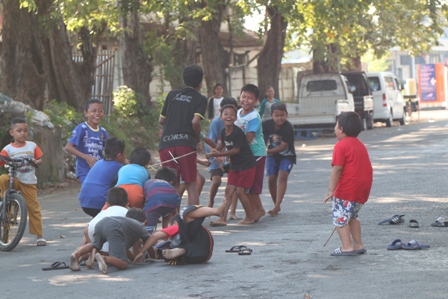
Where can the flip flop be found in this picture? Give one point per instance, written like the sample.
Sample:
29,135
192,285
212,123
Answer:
236,249
360,251
339,252
245,251
396,244
56,266
41,242
395,219
440,222
413,223
413,245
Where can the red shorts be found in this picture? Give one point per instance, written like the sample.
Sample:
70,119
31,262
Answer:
241,178
185,167
257,186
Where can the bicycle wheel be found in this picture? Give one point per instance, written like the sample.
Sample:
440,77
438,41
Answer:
13,227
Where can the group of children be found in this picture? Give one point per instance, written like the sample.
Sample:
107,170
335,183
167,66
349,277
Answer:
108,188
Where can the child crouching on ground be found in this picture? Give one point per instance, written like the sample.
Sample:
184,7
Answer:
350,183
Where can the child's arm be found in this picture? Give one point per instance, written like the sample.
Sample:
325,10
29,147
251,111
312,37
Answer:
278,149
334,178
209,142
216,153
150,242
70,148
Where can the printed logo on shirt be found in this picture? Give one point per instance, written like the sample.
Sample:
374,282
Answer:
175,137
183,98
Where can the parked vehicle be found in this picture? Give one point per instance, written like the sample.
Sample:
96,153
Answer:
388,102
321,98
362,96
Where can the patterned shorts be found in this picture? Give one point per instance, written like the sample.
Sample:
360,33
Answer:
344,210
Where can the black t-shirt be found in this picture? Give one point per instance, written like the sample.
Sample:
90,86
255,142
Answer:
180,106
274,138
244,159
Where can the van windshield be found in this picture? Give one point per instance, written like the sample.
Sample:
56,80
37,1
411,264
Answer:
374,83
321,85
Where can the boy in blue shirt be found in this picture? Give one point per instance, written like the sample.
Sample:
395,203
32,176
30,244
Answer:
87,140
102,177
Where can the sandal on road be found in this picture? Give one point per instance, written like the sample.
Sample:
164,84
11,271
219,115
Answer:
339,252
245,251
56,266
237,249
413,223
396,244
396,219
413,245
440,222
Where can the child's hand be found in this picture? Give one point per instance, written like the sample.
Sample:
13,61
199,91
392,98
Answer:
208,156
328,196
90,160
138,258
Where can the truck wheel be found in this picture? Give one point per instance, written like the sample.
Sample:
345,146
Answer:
403,118
369,121
390,120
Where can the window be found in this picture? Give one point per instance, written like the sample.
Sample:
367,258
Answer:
390,84
374,83
321,85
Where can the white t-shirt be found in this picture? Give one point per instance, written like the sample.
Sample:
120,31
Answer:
25,174
110,211
217,106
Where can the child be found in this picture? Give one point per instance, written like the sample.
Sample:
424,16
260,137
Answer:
279,136
218,166
131,177
26,181
242,164
122,233
102,177
117,202
87,140
214,103
265,106
249,121
350,183
161,198
181,119
191,242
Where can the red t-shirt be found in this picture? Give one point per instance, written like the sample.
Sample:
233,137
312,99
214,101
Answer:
355,181
171,230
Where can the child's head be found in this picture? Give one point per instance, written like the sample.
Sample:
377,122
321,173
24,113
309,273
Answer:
279,113
228,114
349,123
228,101
270,92
140,156
137,214
114,149
166,174
19,130
193,75
249,97
94,112
117,197
218,90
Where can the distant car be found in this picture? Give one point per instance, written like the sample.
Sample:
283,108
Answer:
388,102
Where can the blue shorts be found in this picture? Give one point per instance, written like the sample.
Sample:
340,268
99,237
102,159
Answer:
344,210
273,165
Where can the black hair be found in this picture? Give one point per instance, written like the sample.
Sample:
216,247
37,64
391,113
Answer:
117,197
137,214
167,174
228,106
217,85
17,120
193,75
278,106
113,146
252,89
350,123
140,156
228,101
91,101
269,86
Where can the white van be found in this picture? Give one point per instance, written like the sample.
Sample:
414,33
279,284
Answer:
388,102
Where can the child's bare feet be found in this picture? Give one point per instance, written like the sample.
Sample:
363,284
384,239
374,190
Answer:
274,212
258,214
234,217
101,263
246,221
171,254
74,264
90,260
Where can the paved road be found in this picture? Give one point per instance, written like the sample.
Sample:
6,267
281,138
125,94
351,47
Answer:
289,260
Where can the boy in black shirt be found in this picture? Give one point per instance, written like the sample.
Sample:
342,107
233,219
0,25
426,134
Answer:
242,162
279,136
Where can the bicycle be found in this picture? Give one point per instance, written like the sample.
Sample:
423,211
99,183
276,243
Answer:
13,210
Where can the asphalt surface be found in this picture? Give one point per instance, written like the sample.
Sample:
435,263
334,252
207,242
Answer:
288,259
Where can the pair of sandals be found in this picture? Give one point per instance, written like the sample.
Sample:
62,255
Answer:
397,219
412,245
241,250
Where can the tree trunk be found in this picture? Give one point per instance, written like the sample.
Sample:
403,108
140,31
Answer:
270,59
137,67
215,59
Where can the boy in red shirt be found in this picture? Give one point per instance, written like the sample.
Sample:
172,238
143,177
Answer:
350,183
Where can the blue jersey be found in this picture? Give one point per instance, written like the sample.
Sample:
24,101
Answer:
159,193
132,174
90,142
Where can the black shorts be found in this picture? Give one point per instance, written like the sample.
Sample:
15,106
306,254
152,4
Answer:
219,171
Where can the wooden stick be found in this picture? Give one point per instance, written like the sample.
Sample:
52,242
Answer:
330,236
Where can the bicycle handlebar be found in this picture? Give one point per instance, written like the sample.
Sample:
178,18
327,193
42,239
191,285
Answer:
17,162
